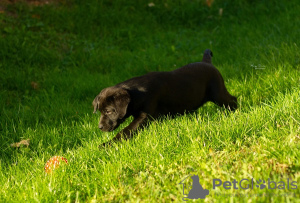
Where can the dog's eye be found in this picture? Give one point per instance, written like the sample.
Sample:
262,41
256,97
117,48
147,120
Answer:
107,112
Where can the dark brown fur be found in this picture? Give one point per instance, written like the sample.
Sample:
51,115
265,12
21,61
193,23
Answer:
161,93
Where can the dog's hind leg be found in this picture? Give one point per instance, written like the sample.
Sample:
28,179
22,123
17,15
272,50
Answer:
227,100
220,96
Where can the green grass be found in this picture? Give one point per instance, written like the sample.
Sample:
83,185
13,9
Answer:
75,48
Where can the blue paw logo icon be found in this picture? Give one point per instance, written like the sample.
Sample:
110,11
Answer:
197,191
261,184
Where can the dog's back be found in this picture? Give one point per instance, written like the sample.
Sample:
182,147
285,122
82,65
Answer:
182,90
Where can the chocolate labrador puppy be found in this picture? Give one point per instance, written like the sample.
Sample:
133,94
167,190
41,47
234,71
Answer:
161,93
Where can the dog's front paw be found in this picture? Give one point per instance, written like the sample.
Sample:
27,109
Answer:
123,135
105,144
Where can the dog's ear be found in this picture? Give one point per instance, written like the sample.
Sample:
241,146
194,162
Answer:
121,99
96,104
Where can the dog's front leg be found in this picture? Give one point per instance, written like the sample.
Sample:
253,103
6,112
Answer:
133,126
127,132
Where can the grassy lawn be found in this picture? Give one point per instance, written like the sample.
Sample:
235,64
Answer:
55,57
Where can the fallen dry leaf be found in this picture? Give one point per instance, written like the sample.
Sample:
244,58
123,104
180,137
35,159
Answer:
220,11
34,85
22,142
278,167
209,2
36,16
151,4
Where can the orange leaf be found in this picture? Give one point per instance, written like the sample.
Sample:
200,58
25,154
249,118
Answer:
209,2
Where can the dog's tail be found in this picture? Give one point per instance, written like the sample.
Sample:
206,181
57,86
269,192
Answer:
207,56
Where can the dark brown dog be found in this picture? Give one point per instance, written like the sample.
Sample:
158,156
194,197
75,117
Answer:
161,93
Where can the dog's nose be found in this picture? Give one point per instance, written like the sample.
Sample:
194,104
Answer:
100,126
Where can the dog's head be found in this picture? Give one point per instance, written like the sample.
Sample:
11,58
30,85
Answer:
112,102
